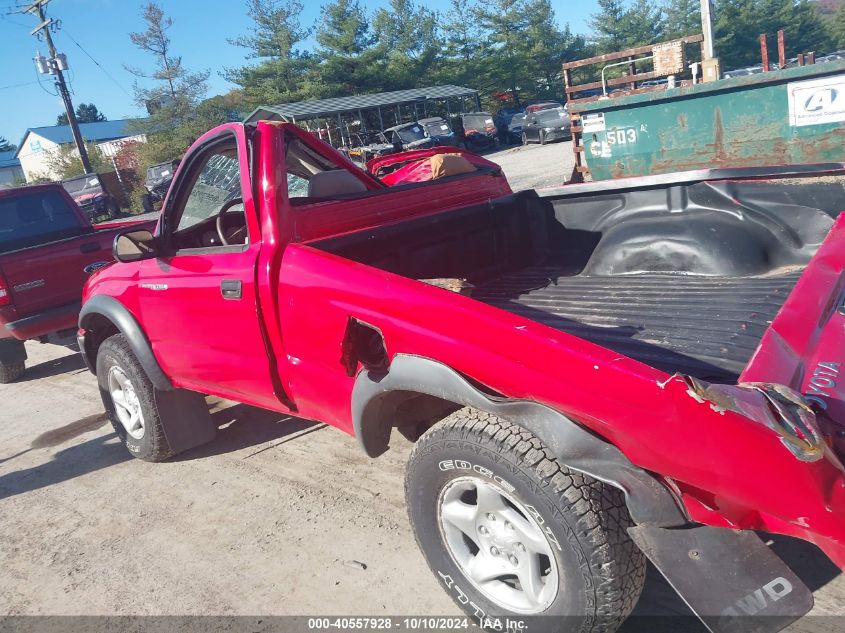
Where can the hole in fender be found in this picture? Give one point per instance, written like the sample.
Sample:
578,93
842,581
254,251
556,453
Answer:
363,343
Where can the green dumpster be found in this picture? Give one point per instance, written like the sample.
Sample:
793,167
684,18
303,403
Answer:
789,117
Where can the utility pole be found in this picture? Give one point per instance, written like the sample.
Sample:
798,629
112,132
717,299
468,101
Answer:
55,65
707,29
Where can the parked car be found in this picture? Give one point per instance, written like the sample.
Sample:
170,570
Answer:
368,145
591,376
438,131
543,105
478,131
545,126
408,136
47,250
515,128
509,124
157,183
98,195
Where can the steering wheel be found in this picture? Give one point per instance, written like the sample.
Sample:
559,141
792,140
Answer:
221,232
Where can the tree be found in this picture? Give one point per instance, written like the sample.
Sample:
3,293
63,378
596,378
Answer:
408,43
281,72
681,18
6,146
505,23
347,62
85,113
837,27
740,22
642,24
608,24
548,47
64,162
177,92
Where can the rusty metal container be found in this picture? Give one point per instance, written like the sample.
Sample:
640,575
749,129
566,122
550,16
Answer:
794,116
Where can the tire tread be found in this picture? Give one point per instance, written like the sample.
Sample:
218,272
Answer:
615,563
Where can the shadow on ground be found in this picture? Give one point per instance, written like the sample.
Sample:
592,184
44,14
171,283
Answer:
241,426
75,461
65,364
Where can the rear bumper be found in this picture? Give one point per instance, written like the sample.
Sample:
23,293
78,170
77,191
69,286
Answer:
43,323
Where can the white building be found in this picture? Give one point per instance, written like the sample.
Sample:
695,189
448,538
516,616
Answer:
39,142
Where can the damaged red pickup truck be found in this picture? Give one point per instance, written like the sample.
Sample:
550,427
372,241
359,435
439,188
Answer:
592,377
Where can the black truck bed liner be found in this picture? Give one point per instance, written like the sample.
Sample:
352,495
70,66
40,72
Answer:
704,326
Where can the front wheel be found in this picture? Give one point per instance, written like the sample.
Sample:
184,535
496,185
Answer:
511,533
129,399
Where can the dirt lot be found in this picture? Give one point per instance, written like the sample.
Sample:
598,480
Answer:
536,166
277,516
268,519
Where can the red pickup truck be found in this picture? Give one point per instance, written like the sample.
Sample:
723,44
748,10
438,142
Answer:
48,248
592,377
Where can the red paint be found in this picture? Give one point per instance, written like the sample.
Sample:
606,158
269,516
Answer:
731,470
59,268
415,167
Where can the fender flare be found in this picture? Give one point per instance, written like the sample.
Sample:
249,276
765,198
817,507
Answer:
111,309
376,396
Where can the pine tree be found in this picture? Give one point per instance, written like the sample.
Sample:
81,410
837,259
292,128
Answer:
282,69
407,40
682,18
608,25
347,61
85,113
6,146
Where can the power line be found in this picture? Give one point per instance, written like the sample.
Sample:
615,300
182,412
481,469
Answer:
96,63
21,85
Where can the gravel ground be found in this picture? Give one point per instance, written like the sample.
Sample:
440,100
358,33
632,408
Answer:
536,166
277,516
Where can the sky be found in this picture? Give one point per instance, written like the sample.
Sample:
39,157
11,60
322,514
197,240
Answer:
101,27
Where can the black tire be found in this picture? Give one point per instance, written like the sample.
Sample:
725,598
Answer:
601,570
152,446
10,372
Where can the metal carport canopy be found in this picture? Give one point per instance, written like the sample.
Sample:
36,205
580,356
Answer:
317,108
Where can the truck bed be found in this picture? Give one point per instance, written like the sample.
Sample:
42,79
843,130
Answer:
707,327
687,282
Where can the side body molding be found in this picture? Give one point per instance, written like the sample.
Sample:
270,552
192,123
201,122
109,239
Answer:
377,395
114,311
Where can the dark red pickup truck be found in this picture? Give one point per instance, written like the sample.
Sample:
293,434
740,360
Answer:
592,377
48,248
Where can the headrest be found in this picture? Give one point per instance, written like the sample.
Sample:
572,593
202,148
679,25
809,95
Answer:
330,184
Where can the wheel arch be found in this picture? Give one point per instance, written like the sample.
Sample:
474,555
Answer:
103,316
427,389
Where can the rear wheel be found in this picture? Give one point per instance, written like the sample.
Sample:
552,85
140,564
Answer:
511,533
128,396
